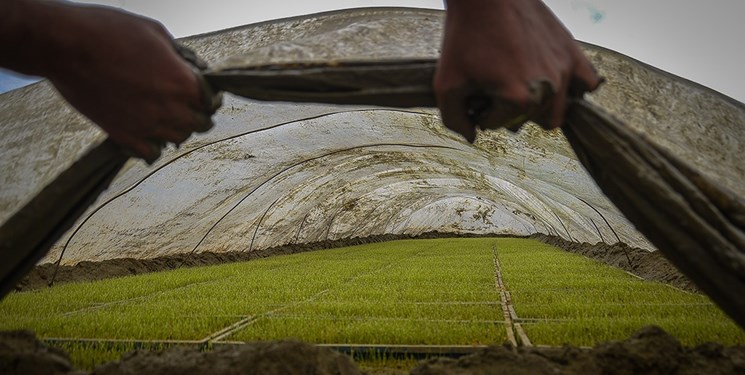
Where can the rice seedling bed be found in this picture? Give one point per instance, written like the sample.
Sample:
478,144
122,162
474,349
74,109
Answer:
88,356
367,289
333,330
561,298
590,331
373,309
410,302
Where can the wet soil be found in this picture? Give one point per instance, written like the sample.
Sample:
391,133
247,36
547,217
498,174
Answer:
645,264
21,353
648,351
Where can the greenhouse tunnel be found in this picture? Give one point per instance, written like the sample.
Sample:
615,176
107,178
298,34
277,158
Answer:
274,173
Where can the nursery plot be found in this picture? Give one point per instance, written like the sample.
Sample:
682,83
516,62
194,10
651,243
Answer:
443,293
132,322
424,291
362,330
589,331
382,309
181,304
565,298
408,292
72,297
414,294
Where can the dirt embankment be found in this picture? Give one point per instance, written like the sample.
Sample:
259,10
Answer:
650,266
41,275
649,351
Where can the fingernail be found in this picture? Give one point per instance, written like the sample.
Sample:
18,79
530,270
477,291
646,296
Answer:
216,102
203,122
154,152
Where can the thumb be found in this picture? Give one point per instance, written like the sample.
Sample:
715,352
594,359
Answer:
454,113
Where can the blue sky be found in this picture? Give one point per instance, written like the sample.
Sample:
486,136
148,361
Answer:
696,39
10,80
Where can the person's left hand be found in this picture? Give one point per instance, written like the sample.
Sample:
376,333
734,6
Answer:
124,73
505,62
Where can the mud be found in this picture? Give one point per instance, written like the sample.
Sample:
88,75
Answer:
281,357
21,353
647,265
648,351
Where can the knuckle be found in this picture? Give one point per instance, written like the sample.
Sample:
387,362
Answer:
157,27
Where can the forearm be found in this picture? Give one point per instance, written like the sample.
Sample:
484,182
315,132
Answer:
465,7
27,37
485,14
41,37
478,9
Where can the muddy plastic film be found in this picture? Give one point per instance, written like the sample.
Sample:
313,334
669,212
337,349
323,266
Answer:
693,220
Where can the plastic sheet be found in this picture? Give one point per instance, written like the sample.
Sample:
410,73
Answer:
696,223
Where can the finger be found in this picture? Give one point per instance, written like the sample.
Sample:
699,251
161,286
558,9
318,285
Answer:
173,135
542,116
189,55
454,113
146,150
202,122
519,104
210,99
558,109
214,102
585,78
154,151
505,114
478,107
543,93
185,119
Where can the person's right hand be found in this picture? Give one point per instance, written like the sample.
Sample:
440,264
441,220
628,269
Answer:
120,70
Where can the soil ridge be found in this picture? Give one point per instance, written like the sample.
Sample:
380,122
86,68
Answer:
648,351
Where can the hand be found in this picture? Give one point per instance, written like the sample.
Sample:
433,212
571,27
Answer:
120,70
507,62
130,81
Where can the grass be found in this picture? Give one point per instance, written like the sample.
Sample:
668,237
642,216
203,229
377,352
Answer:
88,356
403,292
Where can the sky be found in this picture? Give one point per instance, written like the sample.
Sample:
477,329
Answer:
700,40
